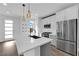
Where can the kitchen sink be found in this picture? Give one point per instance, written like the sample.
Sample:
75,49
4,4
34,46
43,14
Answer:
34,36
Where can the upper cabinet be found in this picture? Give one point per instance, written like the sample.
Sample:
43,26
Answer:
60,16
67,14
71,13
50,20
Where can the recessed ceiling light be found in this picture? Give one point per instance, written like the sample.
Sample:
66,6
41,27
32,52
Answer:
5,4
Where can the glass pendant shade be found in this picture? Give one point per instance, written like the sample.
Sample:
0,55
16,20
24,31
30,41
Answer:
29,14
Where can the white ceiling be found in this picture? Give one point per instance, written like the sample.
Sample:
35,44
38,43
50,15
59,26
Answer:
42,9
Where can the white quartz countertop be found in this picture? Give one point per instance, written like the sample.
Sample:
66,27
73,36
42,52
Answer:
30,43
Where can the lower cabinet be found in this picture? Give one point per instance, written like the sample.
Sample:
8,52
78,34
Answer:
29,53
33,52
45,50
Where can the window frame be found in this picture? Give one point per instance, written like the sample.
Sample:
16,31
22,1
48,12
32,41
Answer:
8,28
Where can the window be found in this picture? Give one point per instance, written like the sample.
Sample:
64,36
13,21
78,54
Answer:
8,29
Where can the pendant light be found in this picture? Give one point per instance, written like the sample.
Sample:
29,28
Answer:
29,14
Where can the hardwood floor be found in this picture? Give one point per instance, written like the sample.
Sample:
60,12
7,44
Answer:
8,48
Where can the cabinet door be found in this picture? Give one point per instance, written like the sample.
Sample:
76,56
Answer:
60,16
67,14
53,28
33,52
45,50
30,53
71,13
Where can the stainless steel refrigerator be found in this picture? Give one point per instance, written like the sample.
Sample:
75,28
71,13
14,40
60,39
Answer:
67,36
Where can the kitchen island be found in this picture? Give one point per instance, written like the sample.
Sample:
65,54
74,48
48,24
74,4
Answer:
31,46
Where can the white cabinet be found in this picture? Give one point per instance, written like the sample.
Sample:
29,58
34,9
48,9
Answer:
60,16
30,53
54,28
33,52
67,14
50,20
71,13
